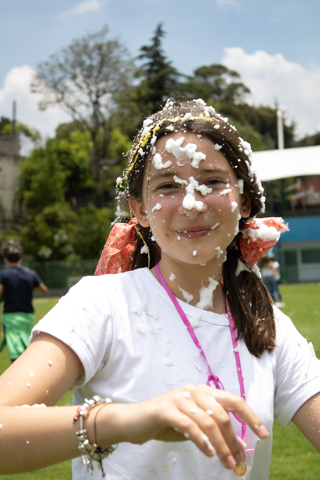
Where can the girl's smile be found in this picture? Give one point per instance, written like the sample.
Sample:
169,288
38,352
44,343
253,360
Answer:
194,232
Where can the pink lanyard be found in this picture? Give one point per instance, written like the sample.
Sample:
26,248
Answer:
217,382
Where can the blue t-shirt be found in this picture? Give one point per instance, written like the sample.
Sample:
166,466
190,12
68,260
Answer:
18,283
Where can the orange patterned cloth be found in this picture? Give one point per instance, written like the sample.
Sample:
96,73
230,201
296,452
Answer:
258,236
118,250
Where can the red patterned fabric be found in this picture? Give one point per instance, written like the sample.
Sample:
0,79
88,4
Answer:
118,250
258,236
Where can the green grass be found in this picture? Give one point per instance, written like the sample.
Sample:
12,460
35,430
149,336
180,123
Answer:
293,457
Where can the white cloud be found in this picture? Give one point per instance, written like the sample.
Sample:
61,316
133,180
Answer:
17,87
83,7
271,78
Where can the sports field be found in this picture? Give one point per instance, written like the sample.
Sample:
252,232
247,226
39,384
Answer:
293,457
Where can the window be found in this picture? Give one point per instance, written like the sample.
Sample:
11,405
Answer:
290,258
312,255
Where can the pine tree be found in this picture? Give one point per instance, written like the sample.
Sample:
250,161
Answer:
159,77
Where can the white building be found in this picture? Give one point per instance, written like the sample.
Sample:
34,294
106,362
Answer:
298,250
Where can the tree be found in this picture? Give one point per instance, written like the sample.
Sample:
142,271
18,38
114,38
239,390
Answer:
3,122
20,129
159,79
222,88
85,79
308,141
46,233
58,221
215,83
264,120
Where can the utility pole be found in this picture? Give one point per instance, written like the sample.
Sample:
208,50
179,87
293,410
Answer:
280,130
14,111
280,147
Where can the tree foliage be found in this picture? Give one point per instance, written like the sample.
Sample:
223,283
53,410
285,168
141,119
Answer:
3,122
85,79
55,193
158,78
264,120
21,129
215,83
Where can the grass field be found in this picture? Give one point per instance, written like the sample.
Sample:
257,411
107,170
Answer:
293,457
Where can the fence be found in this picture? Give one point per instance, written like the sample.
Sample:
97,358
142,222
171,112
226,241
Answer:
60,276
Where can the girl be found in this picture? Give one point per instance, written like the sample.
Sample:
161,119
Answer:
185,339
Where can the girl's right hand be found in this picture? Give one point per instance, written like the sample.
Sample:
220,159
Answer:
196,413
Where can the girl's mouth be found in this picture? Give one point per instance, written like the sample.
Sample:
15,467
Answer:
194,233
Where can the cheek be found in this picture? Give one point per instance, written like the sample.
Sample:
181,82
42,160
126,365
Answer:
228,207
160,211
226,202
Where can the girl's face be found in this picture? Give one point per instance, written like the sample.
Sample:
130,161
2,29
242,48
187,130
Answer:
190,199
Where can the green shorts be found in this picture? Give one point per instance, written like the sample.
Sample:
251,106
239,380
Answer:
18,326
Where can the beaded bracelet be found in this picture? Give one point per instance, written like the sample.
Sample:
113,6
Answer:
91,452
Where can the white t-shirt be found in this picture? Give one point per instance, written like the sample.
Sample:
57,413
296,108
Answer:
134,346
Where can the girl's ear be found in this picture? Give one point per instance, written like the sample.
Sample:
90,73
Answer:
136,206
245,209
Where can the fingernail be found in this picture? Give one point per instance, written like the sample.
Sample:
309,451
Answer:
242,443
209,444
212,449
263,432
230,462
238,458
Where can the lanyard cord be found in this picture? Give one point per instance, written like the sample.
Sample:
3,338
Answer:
217,382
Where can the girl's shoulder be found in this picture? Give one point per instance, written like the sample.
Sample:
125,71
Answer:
110,278
288,338
92,288
284,324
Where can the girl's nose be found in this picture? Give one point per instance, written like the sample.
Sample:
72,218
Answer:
193,205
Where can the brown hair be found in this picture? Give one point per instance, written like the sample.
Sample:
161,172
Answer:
248,298
11,250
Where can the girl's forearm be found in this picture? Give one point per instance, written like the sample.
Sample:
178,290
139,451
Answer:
33,438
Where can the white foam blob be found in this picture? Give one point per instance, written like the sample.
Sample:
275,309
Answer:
225,192
205,301
233,206
158,164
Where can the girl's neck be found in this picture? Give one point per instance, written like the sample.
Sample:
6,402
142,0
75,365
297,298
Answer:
195,284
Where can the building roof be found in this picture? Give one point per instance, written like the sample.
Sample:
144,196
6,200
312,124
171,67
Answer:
290,162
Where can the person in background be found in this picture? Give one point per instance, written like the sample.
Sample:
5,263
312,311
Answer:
16,290
277,280
266,268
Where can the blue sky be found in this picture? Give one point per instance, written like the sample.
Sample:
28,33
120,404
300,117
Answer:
274,45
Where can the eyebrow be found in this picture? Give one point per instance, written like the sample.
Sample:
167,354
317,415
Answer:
164,175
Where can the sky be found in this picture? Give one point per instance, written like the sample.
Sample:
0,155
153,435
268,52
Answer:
273,44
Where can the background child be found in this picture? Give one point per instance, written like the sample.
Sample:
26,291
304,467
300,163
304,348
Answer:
16,290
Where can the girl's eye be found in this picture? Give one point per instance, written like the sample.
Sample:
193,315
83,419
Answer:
213,182
167,186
